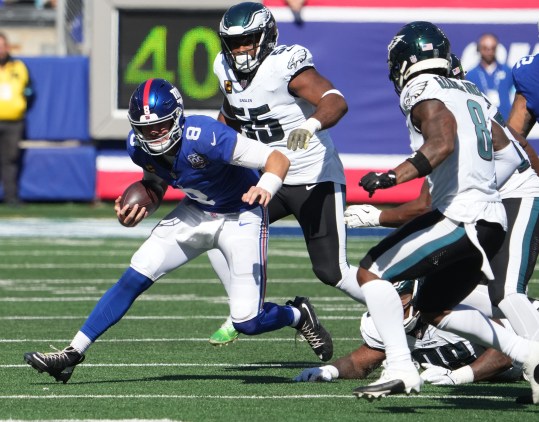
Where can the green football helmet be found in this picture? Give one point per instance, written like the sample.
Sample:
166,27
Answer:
245,24
456,72
417,47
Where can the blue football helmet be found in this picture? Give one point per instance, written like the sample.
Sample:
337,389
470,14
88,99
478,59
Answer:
247,23
156,115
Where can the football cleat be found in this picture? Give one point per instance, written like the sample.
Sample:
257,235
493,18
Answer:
310,328
531,370
59,364
389,383
224,335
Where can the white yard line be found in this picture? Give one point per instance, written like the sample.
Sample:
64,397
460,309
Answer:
220,397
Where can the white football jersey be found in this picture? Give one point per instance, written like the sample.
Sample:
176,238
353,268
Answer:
463,186
431,338
268,112
521,184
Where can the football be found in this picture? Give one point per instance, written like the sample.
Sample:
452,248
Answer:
145,193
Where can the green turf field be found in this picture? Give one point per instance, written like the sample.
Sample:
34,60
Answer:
157,363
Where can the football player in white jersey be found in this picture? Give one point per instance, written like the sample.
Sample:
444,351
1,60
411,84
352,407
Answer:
449,247
514,263
275,95
447,358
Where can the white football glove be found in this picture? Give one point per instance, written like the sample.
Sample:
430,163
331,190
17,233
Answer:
362,216
300,137
438,375
323,373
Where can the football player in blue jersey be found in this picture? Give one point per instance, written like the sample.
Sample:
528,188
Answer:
525,109
224,208
274,94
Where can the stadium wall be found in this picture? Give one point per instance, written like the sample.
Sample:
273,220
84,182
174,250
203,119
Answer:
348,40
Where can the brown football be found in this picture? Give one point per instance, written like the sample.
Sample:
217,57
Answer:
145,193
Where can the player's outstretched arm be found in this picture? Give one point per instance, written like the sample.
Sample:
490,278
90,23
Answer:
485,368
369,216
356,365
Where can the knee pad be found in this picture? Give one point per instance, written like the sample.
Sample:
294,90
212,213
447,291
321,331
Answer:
250,327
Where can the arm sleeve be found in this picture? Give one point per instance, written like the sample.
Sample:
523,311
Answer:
250,153
507,160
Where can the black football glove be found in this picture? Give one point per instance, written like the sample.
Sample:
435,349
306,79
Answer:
372,181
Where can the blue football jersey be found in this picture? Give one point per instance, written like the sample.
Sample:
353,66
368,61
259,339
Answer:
526,80
202,168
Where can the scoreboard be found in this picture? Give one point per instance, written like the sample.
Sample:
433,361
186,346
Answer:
133,41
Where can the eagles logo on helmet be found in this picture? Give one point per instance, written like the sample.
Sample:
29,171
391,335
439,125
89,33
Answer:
156,104
419,46
247,23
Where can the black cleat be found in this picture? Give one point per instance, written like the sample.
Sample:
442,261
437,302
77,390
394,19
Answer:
387,385
310,328
59,364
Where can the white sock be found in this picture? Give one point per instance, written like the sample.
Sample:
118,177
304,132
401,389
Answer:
81,343
477,328
387,314
522,315
350,285
297,317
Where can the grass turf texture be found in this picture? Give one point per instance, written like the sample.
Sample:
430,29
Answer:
157,363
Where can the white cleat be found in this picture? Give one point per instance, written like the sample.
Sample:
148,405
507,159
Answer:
531,370
389,383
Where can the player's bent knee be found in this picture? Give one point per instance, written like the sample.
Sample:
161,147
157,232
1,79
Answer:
328,276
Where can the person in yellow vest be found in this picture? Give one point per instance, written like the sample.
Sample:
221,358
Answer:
14,91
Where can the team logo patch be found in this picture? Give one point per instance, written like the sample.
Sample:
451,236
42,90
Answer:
298,58
228,87
413,94
397,39
197,161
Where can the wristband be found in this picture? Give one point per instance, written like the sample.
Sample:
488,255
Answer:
311,124
270,182
332,91
463,375
421,163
